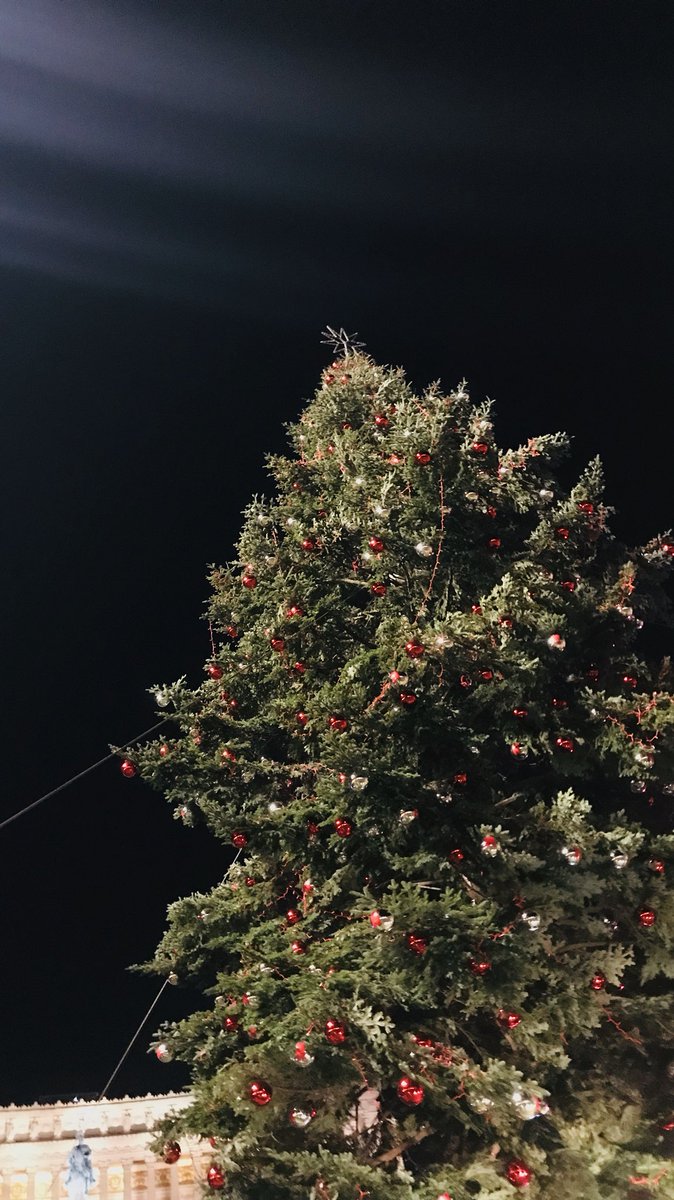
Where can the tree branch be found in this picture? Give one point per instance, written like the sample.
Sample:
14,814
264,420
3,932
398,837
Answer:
389,1155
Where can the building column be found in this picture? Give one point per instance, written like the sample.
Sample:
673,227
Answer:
149,1166
30,1185
127,1180
175,1186
103,1181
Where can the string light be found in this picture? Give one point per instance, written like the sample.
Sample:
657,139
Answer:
74,778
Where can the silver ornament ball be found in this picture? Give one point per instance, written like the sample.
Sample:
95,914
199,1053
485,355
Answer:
301,1117
572,854
619,859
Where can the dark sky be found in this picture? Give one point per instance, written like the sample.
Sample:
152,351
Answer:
188,194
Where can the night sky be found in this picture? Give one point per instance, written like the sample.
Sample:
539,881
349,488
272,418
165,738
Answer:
189,193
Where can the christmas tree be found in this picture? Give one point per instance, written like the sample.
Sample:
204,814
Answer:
439,964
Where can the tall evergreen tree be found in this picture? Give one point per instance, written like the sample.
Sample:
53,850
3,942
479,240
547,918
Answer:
439,965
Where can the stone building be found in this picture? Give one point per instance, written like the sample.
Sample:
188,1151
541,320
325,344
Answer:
36,1139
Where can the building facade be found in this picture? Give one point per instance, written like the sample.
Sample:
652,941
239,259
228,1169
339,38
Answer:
35,1142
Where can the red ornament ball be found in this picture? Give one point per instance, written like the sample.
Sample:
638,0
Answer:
562,532
299,668
647,918
277,643
598,981
456,856
565,743
378,589
301,1055
559,703
339,724
128,768
293,916
480,448
375,919
480,966
343,828
476,608
239,839
295,611
520,713
308,544
395,459
163,750
494,543
508,1020
376,545
335,1031
215,1178
171,1152
230,1023
407,698
298,948
381,421
461,779
667,548
260,1093
487,674
657,865
301,717
249,581
630,681
410,1092
465,681
416,943
518,1173
422,458
214,671
414,649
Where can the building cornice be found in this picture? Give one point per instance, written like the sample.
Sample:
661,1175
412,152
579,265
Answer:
93,1118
